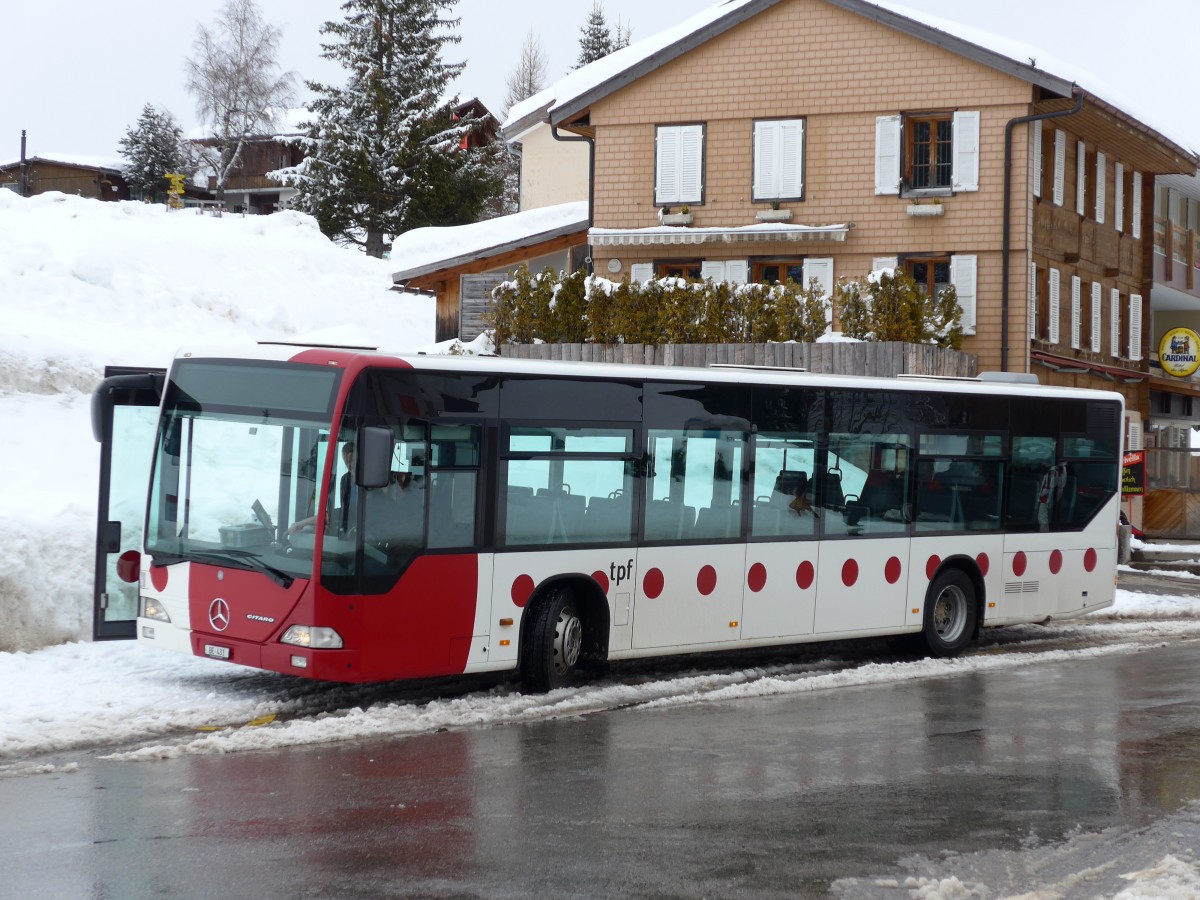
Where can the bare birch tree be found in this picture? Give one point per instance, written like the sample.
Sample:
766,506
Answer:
234,74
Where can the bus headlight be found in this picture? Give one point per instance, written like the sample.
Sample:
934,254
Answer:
152,609
314,636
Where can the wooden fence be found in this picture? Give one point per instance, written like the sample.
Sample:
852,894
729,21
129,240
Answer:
886,359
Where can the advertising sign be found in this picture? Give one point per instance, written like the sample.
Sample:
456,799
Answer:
1133,473
1179,352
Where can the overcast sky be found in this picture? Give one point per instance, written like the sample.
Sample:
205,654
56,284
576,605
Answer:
76,76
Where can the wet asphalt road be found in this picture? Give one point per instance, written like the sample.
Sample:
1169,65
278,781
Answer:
755,798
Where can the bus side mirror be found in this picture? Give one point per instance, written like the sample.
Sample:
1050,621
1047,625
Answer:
375,447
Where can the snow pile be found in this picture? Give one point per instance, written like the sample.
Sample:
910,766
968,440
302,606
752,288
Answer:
84,284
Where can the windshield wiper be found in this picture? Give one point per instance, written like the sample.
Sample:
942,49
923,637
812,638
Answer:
228,554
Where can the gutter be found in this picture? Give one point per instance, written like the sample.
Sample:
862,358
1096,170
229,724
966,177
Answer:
1007,241
591,142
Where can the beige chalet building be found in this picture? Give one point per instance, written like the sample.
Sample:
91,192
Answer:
721,151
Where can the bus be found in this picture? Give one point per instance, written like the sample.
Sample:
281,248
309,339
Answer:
352,515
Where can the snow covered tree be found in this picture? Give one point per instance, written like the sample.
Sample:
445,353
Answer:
598,39
596,42
235,78
387,151
151,149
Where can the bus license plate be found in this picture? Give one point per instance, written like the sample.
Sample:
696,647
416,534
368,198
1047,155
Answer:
216,652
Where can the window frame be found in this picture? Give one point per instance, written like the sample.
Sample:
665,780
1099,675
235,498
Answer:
908,123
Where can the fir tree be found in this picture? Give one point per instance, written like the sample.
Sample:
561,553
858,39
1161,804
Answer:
151,149
385,151
597,41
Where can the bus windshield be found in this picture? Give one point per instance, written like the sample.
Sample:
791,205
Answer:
231,479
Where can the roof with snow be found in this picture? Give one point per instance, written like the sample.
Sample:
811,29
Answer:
425,250
112,164
578,90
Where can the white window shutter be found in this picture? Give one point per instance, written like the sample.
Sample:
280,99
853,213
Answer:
963,269
821,268
1060,166
714,269
1133,439
1135,226
766,160
964,169
879,263
1135,326
887,155
1076,313
1081,178
1055,289
1101,192
1119,196
791,158
1114,322
640,273
666,175
1035,151
1033,302
737,271
691,164
1097,309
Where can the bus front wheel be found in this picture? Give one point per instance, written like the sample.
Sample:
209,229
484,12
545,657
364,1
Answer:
553,646
950,613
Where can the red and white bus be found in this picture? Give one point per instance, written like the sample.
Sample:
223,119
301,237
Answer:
349,515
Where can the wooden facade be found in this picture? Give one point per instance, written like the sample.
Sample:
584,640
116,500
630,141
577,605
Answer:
96,182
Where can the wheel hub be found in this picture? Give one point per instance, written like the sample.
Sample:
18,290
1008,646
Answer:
568,641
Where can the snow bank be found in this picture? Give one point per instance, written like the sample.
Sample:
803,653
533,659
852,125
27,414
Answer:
84,284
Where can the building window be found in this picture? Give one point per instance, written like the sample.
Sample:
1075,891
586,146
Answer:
927,153
932,274
769,271
679,164
778,159
677,268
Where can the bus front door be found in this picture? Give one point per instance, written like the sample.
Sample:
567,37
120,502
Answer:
124,416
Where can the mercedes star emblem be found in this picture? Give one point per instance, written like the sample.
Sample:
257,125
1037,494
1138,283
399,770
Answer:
218,614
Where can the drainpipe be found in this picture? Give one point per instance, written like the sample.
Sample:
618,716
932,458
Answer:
1007,242
23,187
591,182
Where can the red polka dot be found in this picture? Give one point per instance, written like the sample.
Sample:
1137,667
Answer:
1089,559
522,588
932,566
706,580
1019,563
1055,562
129,564
601,579
983,562
756,579
892,570
652,583
158,577
849,573
805,575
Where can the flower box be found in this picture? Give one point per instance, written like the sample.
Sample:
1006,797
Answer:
926,209
774,215
677,218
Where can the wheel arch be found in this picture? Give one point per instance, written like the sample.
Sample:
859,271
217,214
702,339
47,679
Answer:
970,568
593,610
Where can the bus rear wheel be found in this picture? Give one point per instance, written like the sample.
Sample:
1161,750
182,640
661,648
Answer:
950,614
553,647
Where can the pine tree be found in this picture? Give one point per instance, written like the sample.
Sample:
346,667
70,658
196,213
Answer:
152,149
596,42
386,152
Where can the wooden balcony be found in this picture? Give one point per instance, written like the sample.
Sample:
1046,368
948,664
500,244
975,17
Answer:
1176,256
